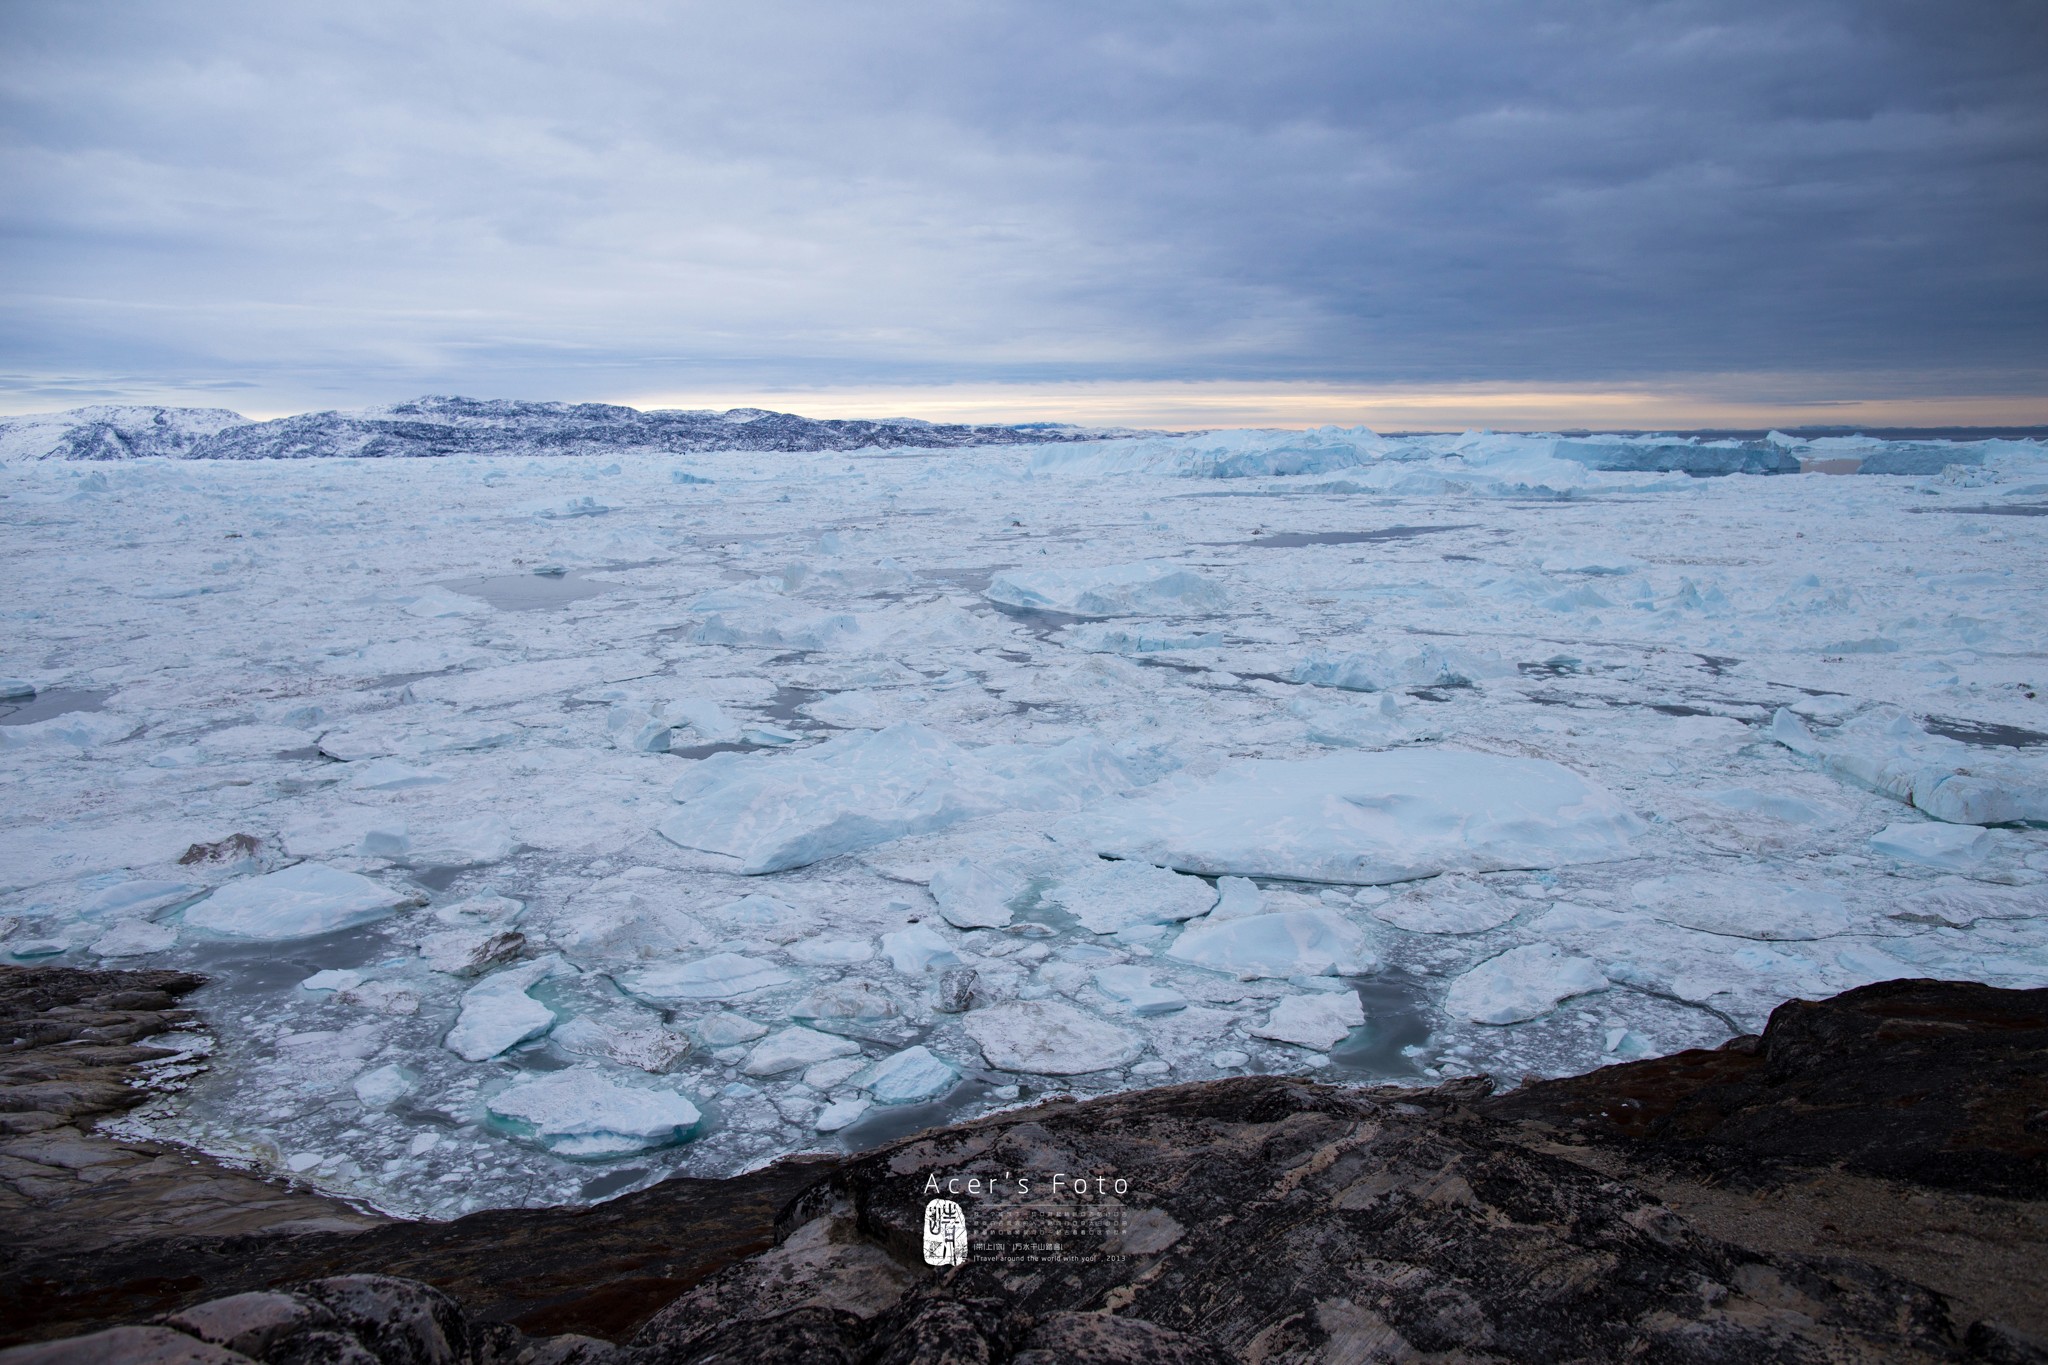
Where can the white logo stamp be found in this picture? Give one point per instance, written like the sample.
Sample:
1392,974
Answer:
945,1233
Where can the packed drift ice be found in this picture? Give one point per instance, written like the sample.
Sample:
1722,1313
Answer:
549,823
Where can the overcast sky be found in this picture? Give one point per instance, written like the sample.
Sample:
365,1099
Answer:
278,206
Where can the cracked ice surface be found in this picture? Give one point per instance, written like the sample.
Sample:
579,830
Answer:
1523,763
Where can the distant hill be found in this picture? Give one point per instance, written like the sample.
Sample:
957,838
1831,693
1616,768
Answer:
437,426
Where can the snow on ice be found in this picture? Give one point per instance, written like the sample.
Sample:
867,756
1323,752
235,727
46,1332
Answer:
691,807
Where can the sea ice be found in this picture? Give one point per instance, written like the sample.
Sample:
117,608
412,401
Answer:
1046,1038
1108,896
497,1013
296,902
971,897
382,1087
794,1049
1522,983
846,1003
721,976
1889,755
831,952
1745,907
1319,1021
1369,818
918,949
1373,671
1133,986
140,899
728,1030
866,788
581,1112
841,1114
1283,943
1147,588
135,938
1449,905
465,952
1236,898
650,1048
1951,847
911,1076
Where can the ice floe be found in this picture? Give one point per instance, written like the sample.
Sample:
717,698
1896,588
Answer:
1370,818
1047,1038
296,902
1318,1021
584,1113
1149,588
1282,943
1522,983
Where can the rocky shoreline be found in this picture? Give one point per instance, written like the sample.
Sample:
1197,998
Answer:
1867,1180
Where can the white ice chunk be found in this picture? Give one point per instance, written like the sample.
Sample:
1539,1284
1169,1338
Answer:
1101,639
841,1114
1449,905
849,710
388,774
79,730
971,897
1237,897
432,603
1369,818
1383,671
1047,1038
497,1013
911,1076
1319,1021
721,976
1280,944
1145,588
464,843
847,1002
1108,896
1133,986
1745,907
794,1049
862,789
638,729
1522,983
1939,776
1951,847
831,952
651,1049
140,899
1961,904
135,938
296,902
918,949
332,979
383,1086
583,1113
728,1030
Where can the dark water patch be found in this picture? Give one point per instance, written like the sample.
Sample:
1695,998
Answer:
1046,625
530,591
236,970
58,701
438,879
1674,708
2018,509
886,1123
1396,1017
605,1186
707,750
1441,692
305,753
1295,540
1558,666
1718,664
1462,559
1984,734
784,707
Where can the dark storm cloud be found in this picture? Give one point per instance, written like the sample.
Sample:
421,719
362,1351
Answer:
582,198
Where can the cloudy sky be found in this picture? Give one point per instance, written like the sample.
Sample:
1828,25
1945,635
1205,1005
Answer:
1547,212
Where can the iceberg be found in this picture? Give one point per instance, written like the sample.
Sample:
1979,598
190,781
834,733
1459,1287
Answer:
1107,897
296,902
497,1013
916,950
583,1113
1319,1021
911,1076
1449,905
776,812
1369,818
1946,779
972,898
1236,898
721,976
793,1049
1384,671
1522,983
1955,848
1147,588
382,1087
1283,943
1133,986
135,938
1745,907
1046,1038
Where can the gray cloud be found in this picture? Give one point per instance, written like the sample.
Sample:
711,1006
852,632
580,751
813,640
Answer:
349,203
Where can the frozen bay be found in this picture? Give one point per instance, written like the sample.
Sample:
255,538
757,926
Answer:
1531,758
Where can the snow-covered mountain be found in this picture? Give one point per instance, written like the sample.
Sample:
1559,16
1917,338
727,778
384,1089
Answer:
436,426
110,432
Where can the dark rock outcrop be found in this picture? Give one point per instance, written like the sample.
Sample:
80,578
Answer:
1861,1183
